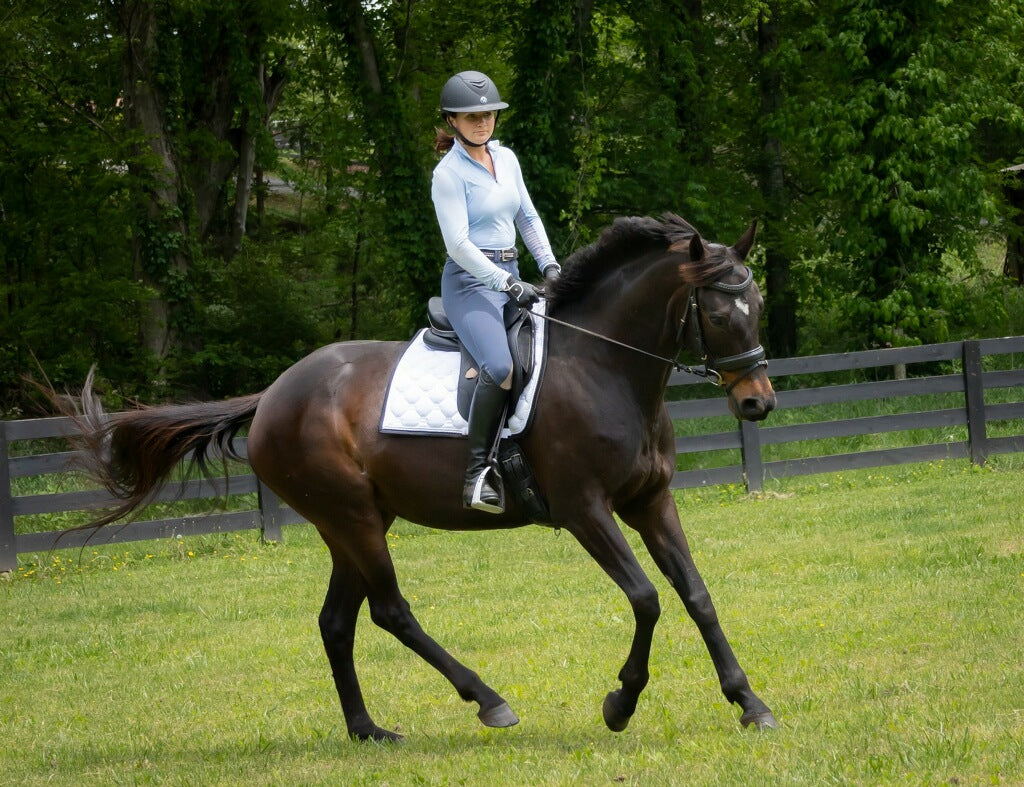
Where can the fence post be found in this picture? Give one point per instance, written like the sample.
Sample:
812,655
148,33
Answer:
270,512
974,400
8,547
750,448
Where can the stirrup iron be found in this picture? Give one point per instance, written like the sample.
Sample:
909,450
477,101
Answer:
477,501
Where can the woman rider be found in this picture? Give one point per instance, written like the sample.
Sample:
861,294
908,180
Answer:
480,200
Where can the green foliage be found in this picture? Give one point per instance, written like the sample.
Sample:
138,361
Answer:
894,124
69,296
867,137
254,318
968,300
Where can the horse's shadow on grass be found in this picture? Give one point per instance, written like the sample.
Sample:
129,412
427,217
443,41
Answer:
258,750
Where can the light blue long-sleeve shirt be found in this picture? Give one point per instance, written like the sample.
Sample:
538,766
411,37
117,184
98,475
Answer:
476,210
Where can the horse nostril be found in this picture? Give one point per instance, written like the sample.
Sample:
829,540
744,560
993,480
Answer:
755,409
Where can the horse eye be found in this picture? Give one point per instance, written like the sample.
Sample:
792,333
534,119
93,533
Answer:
718,320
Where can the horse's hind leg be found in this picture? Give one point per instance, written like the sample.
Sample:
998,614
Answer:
390,611
658,525
363,570
338,617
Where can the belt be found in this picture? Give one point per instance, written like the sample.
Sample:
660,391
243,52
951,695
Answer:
501,255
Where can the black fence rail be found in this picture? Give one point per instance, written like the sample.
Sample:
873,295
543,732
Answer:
969,384
268,515
749,440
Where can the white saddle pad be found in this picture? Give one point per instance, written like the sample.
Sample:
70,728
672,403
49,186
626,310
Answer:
421,396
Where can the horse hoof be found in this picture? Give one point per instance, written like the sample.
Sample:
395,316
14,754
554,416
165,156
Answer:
616,720
762,720
377,735
498,716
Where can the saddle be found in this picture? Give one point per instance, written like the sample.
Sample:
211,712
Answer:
441,336
513,469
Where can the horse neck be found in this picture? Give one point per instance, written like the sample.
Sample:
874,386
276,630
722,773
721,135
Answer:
639,305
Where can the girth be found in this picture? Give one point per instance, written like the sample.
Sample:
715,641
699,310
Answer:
442,336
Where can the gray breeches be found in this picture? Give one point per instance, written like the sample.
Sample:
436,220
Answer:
478,314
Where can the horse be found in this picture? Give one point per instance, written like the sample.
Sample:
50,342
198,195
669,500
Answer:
601,444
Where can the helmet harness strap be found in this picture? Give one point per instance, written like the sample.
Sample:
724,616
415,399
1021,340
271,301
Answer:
462,138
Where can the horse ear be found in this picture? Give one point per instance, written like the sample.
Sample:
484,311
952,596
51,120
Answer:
696,248
743,246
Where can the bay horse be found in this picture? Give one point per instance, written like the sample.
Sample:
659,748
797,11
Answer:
601,443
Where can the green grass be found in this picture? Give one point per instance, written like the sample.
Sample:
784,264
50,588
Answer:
879,613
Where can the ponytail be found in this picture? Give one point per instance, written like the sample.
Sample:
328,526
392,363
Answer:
443,141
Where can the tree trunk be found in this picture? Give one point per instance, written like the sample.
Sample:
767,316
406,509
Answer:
1013,265
157,241
243,189
212,115
409,219
271,90
357,251
691,112
781,301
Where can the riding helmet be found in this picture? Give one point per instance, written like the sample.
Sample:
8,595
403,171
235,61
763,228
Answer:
470,91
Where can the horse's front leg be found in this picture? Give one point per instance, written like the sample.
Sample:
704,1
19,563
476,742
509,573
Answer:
599,534
658,525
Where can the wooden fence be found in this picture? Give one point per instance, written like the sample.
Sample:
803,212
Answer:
968,384
748,440
268,514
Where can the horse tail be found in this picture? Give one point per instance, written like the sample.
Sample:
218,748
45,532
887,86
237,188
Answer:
132,454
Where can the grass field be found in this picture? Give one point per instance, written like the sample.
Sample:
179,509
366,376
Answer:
879,613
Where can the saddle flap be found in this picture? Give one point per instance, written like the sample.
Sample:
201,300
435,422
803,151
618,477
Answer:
520,342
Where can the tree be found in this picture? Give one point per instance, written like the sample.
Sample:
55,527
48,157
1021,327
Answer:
374,68
161,225
198,88
128,151
868,137
68,291
899,91
1013,261
553,105
781,307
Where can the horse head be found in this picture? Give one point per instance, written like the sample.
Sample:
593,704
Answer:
721,322
657,288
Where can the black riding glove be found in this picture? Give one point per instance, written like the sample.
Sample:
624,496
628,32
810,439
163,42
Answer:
551,274
522,292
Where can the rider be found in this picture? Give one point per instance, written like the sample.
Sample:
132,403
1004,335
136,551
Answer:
480,200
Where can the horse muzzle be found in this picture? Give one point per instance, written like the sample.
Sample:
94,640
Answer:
753,407
745,379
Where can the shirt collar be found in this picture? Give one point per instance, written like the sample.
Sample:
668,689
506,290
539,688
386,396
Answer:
492,146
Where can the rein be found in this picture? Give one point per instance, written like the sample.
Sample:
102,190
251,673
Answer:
665,359
748,361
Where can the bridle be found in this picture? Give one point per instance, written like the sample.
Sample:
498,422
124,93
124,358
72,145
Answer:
745,362
748,361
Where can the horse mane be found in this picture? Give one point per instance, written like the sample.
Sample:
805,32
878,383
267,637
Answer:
626,239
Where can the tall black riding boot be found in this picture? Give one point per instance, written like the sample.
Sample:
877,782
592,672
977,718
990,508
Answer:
482,489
